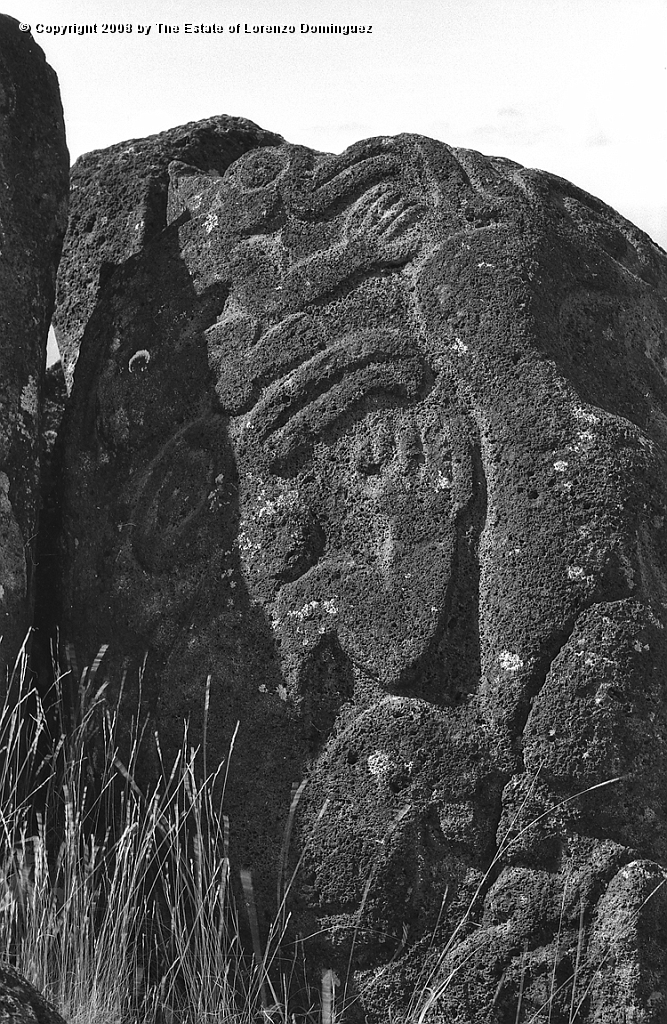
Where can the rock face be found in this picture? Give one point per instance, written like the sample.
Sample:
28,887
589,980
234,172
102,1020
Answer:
118,203
20,1003
378,441
34,166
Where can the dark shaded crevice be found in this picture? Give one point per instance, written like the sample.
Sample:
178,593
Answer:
326,683
550,652
46,614
449,670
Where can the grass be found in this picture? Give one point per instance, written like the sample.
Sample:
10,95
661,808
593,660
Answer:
117,905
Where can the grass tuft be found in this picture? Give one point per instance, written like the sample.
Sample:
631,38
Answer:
117,904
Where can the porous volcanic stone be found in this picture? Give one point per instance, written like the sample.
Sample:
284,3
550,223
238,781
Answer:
118,202
378,441
34,167
21,1003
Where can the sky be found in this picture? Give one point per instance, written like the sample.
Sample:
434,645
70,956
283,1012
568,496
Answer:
575,87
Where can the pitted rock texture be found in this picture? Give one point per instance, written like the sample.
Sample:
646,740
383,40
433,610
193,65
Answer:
34,167
118,203
378,441
21,1003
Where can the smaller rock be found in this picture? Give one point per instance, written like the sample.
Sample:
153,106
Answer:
21,1003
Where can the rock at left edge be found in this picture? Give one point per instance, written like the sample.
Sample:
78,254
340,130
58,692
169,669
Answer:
34,174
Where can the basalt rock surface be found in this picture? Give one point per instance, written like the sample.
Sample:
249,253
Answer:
34,166
118,203
378,442
21,1003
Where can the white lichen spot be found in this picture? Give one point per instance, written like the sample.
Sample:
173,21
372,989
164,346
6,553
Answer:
460,347
593,659
139,361
585,417
491,266
510,662
246,547
29,401
2,592
443,482
560,465
211,222
271,508
640,647
281,691
379,764
575,572
329,606
306,612
262,688
115,344
585,437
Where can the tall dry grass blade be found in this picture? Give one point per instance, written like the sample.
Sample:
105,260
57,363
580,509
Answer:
577,963
97,661
328,997
524,958
251,909
70,657
297,790
207,702
555,963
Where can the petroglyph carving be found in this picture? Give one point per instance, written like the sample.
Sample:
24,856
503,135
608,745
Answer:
385,481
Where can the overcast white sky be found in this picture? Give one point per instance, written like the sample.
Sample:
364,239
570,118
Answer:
576,87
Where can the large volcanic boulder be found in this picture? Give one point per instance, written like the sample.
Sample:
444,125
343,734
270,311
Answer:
118,202
378,442
34,166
